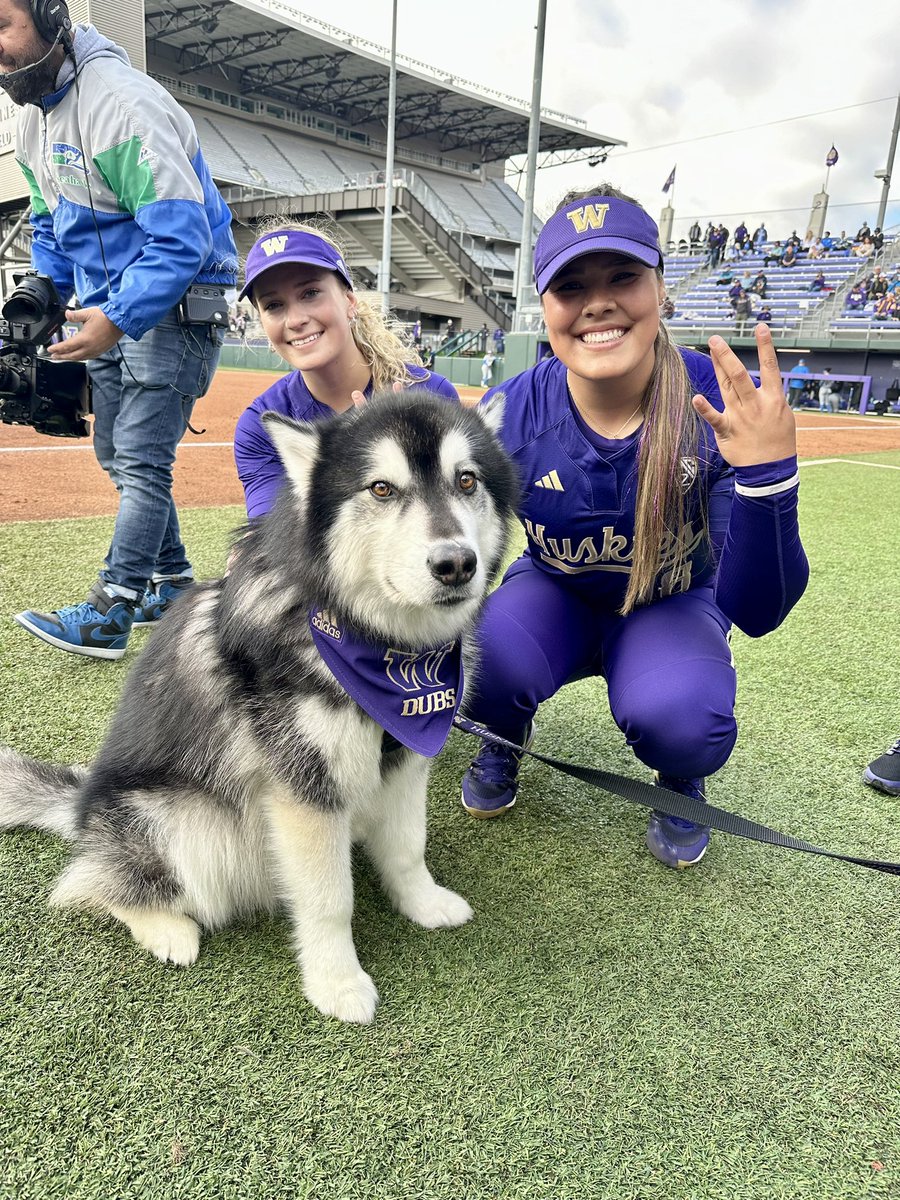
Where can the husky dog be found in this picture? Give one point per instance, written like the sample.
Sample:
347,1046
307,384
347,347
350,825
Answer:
237,769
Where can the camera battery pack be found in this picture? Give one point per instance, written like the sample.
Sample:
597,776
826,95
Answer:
204,304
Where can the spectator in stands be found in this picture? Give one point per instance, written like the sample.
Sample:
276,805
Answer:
828,397
742,310
789,258
614,440
816,248
764,313
775,255
820,284
856,298
878,239
499,341
797,384
864,249
760,236
742,237
717,239
726,278
887,306
863,232
483,334
894,282
828,242
878,285
842,242
127,220
336,341
760,285
417,333
694,235
449,330
735,292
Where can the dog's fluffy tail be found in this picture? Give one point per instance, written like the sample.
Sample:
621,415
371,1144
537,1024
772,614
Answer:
38,795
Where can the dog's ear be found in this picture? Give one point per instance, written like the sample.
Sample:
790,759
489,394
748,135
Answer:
297,443
492,412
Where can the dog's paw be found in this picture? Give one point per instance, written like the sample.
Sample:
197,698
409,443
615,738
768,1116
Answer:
436,908
349,998
171,938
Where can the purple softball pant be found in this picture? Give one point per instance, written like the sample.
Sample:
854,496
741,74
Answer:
668,667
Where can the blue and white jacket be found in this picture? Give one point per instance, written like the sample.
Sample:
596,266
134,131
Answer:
110,155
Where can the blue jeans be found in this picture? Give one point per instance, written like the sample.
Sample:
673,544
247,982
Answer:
143,393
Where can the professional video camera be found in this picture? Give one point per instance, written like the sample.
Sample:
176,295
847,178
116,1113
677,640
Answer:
53,397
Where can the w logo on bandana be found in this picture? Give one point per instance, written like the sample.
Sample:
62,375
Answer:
417,672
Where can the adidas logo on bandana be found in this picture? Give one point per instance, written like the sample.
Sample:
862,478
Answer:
326,622
550,481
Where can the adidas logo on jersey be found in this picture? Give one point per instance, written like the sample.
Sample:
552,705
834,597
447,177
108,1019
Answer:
551,481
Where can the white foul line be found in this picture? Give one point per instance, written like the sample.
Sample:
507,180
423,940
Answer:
57,449
821,462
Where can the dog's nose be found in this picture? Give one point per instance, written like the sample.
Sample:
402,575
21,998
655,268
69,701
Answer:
452,563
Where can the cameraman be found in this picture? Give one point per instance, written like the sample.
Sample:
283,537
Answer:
126,218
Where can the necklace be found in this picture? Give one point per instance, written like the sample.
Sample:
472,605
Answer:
594,423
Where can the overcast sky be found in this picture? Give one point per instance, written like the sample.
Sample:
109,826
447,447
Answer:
653,73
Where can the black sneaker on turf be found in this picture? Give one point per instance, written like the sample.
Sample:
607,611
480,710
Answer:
158,597
884,773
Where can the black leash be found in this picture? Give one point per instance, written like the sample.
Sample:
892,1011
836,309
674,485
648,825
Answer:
673,804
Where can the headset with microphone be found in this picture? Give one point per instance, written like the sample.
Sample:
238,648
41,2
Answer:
52,21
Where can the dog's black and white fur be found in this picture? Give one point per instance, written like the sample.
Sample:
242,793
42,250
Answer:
236,772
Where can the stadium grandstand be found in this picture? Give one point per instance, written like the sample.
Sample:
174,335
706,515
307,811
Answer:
292,115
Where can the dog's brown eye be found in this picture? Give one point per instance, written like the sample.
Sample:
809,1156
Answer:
466,482
381,490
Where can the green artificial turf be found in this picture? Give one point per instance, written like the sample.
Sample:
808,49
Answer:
603,1028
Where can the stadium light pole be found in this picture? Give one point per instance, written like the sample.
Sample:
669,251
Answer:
534,139
886,175
384,272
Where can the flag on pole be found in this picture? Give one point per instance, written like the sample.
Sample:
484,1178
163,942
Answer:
831,157
670,182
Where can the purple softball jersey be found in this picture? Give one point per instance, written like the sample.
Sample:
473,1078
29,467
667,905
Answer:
578,497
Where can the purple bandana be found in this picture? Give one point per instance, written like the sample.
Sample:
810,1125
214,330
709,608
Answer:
600,223
414,696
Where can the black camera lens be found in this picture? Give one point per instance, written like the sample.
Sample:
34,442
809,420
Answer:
31,300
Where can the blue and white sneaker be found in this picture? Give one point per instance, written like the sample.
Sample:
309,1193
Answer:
489,785
158,597
98,628
675,842
884,773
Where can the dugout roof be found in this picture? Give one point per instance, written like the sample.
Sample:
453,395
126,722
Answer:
266,48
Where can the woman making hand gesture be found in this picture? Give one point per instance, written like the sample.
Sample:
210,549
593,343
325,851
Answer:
659,498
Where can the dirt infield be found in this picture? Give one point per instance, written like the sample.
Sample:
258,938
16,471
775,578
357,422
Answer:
43,477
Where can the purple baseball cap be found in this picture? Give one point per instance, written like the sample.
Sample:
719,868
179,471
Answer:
592,225
291,246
